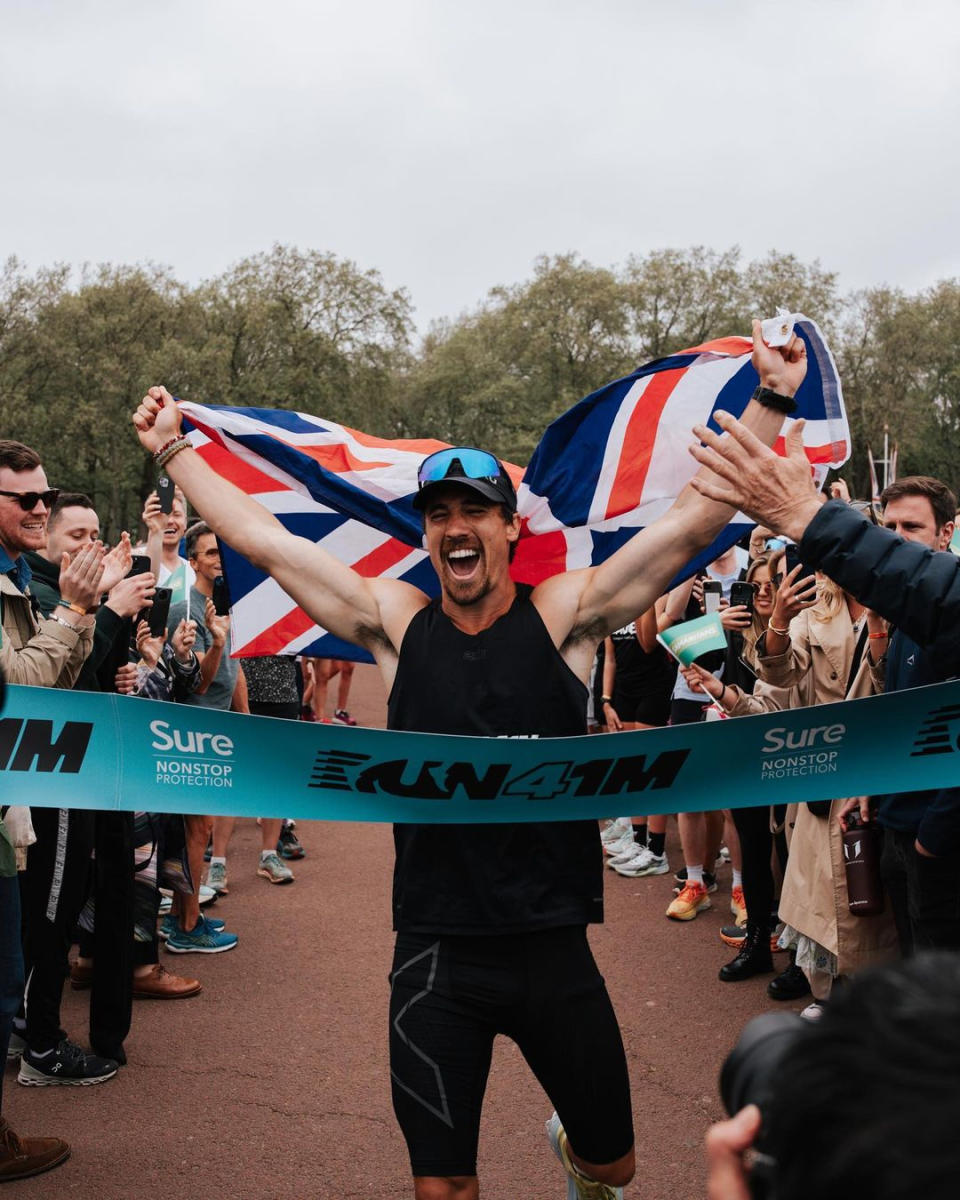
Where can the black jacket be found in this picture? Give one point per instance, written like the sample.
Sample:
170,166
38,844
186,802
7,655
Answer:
918,590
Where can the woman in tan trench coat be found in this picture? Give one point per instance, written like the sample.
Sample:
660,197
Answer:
816,662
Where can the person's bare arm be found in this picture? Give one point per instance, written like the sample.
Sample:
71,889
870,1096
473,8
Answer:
373,613
156,521
209,660
647,630
586,605
240,701
610,716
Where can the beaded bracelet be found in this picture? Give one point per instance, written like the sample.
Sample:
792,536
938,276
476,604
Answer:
784,633
163,456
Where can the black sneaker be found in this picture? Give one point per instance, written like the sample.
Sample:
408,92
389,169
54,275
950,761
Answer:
709,881
288,844
66,1065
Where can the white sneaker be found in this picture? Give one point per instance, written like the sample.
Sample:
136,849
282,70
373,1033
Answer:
628,843
631,848
615,830
578,1186
644,863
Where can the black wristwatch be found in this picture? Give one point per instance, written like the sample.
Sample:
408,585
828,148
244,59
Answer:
771,399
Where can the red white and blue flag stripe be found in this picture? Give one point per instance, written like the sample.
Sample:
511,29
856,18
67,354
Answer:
609,466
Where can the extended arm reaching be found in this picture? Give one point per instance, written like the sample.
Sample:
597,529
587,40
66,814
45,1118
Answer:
368,612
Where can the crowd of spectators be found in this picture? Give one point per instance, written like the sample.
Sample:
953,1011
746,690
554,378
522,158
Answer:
122,885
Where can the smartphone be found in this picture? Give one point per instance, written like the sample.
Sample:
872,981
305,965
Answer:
712,595
742,593
221,596
140,565
165,492
791,559
156,616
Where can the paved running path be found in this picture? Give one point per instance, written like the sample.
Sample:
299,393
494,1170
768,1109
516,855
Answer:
273,1084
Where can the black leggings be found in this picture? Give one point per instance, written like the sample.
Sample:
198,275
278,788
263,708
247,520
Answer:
450,996
756,845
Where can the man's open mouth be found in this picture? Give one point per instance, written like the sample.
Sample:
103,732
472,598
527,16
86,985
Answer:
463,562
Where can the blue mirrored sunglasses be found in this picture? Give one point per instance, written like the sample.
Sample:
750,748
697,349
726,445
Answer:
774,544
463,461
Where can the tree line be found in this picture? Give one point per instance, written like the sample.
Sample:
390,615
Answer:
306,330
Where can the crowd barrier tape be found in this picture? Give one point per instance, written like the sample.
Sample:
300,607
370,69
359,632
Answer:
85,750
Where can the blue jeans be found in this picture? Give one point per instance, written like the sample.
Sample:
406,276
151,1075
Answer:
11,964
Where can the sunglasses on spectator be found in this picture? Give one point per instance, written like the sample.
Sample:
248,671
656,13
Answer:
28,501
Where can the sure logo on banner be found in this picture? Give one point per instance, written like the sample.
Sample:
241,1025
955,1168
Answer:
64,749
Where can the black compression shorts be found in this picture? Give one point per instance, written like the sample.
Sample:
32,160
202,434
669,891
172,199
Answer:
449,998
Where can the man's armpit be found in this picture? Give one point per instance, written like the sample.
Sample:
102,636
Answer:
593,631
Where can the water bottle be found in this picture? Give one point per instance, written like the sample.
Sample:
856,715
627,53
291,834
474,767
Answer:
861,857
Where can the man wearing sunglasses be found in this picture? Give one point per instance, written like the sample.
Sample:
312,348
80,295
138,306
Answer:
491,919
44,652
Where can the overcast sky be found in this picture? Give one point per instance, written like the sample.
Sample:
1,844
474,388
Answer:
447,144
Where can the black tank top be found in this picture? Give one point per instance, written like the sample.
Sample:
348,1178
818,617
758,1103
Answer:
508,680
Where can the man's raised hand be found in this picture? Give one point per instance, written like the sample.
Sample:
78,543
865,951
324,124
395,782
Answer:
157,419
778,493
783,368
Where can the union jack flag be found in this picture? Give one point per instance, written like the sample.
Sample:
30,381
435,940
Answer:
609,466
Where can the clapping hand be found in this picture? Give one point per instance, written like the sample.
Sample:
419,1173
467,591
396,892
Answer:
218,626
117,562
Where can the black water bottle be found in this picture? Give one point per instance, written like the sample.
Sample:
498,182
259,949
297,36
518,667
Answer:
861,857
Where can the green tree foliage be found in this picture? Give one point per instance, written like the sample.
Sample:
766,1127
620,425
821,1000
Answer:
307,330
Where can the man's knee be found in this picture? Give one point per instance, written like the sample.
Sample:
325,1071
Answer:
445,1187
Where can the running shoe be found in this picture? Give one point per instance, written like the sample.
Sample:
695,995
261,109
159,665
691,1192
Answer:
625,842
693,899
614,830
578,1186
67,1065
201,940
217,878
273,869
342,717
644,863
16,1045
288,844
738,905
709,881
735,935
170,925
631,849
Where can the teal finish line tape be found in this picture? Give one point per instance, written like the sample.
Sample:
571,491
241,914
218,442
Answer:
63,749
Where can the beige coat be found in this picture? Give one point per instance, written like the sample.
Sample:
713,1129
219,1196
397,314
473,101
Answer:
39,653
814,898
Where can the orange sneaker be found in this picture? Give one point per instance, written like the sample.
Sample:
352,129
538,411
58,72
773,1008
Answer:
738,906
693,898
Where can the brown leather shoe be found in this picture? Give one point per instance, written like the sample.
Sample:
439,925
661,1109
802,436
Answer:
22,1157
80,976
160,984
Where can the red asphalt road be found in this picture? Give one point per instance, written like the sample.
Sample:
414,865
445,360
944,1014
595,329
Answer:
273,1084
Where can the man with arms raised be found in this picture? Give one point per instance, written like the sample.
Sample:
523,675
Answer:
491,919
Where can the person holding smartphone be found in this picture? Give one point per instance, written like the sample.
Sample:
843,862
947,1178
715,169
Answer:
700,833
